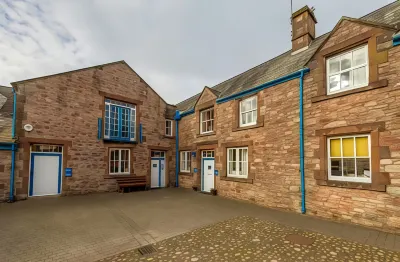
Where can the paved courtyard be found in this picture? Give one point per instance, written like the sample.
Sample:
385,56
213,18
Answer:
99,226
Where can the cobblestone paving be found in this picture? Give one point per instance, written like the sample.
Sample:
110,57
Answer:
252,239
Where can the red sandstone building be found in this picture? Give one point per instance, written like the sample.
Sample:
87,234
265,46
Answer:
314,130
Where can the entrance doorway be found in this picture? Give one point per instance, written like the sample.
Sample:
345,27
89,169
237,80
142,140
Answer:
157,169
207,170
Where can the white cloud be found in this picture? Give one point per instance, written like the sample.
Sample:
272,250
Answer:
177,46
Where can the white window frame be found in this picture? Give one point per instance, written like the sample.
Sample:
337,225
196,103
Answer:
344,178
248,111
351,69
237,162
185,161
171,128
205,121
119,161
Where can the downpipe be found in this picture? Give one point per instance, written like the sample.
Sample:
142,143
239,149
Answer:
177,118
301,133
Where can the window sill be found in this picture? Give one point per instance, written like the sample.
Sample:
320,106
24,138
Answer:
185,174
259,124
235,179
352,185
371,86
111,176
206,134
119,141
170,137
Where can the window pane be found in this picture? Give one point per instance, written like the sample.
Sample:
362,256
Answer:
362,146
345,80
230,168
204,126
336,167
249,117
245,154
359,57
254,103
231,154
349,167
334,83
243,118
363,167
255,116
335,148
348,147
346,61
334,65
360,76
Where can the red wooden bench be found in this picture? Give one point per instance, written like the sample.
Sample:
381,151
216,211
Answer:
131,182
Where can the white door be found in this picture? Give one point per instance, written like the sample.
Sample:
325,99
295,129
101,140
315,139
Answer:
162,173
45,174
208,174
155,173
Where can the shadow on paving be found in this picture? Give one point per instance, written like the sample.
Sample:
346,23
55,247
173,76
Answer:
252,239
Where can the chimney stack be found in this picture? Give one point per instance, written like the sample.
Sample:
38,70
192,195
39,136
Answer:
303,29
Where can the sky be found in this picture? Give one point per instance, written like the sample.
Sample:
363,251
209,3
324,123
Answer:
176,46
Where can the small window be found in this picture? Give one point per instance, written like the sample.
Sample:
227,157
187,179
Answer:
119,161
168,127
119,121
46,148
237,162
160,154
349,158
208,153
248,111
185,161
347,71
207,121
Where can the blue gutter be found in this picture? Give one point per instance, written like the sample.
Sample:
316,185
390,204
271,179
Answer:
396,40
177,117
301,134
186,113
256,89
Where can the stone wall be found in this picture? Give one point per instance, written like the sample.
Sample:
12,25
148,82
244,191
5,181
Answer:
64,109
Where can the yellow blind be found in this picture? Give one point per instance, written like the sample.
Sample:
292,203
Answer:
362,146
335,148
348,146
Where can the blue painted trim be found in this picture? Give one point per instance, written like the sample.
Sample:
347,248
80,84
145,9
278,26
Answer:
99,127
33,168
157,158
159,173
6,147
177,117
118,140
396,40
188,112
256,89
301,134
140,133
14,113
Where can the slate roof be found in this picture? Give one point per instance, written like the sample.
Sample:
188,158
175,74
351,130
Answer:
287,63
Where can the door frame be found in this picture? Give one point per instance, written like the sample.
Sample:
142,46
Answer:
202,170
159,170
32,169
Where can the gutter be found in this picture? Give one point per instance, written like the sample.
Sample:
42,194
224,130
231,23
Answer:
177,117
396,40
258,88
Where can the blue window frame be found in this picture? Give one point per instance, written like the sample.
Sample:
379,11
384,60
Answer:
119,121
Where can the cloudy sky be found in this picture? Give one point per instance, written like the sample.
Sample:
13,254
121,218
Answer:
177,46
